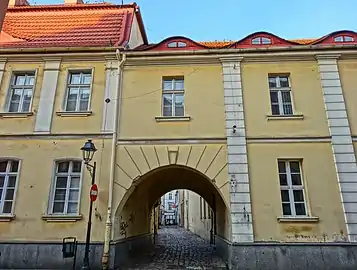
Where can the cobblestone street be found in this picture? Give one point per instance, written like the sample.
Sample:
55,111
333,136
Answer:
177,248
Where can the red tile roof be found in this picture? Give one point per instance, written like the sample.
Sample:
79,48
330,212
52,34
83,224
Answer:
78,25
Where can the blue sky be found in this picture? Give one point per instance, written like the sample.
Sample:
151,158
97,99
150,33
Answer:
234,19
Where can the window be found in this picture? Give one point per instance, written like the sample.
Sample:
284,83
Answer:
170,206
261,41
170,196
177,44
344,39
9,172
21,92
280,95
78,91
173,97
66,187
291,187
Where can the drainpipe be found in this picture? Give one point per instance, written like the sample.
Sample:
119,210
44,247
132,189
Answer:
108,224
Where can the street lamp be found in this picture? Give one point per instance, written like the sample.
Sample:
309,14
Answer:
88,151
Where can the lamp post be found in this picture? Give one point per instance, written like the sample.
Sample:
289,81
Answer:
88,151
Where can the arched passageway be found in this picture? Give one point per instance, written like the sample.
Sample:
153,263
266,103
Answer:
136,214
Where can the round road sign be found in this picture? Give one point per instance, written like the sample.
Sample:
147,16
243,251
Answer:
93,192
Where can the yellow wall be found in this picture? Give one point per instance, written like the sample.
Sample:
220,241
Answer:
306,93
34,185
348,71
204,102
321,189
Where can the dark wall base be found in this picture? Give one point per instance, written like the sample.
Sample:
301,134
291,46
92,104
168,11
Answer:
294,256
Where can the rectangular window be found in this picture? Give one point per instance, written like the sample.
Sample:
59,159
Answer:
21,92
66,187
170,206
9,171
280,95
173,97
292,189
78,91
170,196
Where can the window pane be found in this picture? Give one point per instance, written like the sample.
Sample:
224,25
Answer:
167,85
283,180
288,109
71,106
73,195
11,182
284,81
72,207
75,78
274,97
266,40
172,45
30,80
281,167
58,207
167,103
285,196
338,39
296,179
9,194
286,209
286,96
294,166
15,100
86,78
75,182
256,41
182,44
298,195
349,39
2,180
19,80
275,109
83,105
179,109
76,166
3,165
60,195
272,82
72,99
61,182
7,207
300,209
63,167
179,85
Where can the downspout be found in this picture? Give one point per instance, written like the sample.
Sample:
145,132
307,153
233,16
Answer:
108,224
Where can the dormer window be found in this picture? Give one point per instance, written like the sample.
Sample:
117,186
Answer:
176,44
261,41
344,39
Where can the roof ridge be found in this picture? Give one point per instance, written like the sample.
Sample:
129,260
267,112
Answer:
72,6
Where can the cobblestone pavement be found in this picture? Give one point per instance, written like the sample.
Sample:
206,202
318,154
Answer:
177,248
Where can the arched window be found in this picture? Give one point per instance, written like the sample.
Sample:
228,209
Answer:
344,39
261,41
176,44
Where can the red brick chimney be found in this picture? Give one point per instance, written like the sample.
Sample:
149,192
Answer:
16,3
73,2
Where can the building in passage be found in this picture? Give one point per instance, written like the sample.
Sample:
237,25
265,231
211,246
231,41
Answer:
262,129
169,208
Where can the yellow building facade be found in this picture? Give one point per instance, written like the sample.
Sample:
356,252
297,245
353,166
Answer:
264,134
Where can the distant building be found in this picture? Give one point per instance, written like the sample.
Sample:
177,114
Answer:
169,208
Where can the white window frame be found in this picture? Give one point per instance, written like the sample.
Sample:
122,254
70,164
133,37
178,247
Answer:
278,89
177,44
343,38
260,41
170,196
6,180
53,187
11,87
172,92
68,76
290,188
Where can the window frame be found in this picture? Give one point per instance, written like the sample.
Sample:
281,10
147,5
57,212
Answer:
279,91
290,188
343,39
172,92
176,44
18,176
11,79
53,187
69,72
260,39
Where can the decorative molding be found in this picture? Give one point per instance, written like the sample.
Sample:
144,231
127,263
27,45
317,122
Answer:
54,136
288,139
230,59
298,219
74,114
182,60
327,56
286,117
15,114
164,141
172,118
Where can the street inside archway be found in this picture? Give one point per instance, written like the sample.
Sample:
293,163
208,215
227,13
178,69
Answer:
177,248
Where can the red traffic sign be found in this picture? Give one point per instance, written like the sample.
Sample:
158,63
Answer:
93,194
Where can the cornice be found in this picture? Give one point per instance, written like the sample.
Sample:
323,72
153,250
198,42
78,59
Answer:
328,56
230,58
172,60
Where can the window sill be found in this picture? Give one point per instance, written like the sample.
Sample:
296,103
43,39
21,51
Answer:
62,218
74,114
298,219
15,114
6,218
286,117
173,118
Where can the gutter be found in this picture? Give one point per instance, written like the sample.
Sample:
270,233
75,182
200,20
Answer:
108,224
